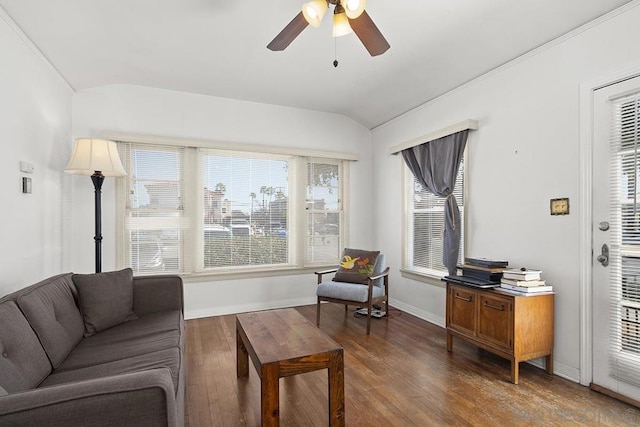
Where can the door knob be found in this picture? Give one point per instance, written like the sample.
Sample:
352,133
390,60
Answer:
603,258
603,226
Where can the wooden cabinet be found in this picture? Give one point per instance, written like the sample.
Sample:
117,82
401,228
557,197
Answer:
515,327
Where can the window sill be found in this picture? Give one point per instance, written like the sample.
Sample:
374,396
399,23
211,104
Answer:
255,274
423,277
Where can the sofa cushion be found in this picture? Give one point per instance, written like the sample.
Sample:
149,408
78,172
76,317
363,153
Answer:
170,358
148,334
23,362
106,299
3,392
356,266
50,308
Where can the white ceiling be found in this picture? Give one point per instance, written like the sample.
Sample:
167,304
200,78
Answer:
218,47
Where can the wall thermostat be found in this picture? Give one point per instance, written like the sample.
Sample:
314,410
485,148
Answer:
26,167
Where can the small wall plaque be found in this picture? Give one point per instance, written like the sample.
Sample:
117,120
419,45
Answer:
560,206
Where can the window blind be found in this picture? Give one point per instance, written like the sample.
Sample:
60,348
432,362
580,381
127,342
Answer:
625,240
156,219
204,210
425,225
324,212
246,211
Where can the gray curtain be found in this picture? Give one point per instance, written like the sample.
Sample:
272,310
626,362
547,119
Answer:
435,165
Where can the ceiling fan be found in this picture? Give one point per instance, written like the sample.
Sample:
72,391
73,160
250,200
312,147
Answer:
348,16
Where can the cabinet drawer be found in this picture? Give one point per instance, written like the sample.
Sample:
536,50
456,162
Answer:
462,310
495,320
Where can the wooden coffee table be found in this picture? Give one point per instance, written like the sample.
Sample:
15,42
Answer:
283,343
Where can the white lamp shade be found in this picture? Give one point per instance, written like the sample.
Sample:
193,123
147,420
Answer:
354,8
341,25
314,11
91,155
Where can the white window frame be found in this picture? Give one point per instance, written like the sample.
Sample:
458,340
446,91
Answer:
293,163
342,211
297,213
408,270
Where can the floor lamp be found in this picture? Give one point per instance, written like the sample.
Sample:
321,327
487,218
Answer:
97,158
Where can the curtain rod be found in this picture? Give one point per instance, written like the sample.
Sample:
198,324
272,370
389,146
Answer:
466,124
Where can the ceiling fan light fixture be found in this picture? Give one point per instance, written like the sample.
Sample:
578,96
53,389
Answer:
341,25
359,23
314,11
354,8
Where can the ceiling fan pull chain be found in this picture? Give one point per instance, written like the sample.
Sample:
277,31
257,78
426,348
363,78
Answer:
335,52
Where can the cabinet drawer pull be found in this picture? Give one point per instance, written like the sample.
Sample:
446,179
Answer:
468,299
495,307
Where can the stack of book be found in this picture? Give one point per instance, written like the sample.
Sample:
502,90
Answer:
483,269
524,281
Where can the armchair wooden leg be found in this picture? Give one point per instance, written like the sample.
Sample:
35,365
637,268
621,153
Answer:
346,309
369,318
386,307
318,314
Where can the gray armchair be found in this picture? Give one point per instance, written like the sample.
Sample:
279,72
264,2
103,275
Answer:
375,291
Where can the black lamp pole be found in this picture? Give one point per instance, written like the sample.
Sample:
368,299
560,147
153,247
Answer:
101,157
98,179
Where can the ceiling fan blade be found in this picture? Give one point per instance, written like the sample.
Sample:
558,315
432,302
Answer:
369,34
289,33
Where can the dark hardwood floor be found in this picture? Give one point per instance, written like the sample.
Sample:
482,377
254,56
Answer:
400,375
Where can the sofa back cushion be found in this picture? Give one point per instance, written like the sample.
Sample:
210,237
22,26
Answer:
106,299
50,308
23,362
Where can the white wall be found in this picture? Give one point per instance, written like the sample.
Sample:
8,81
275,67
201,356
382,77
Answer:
525,153
146,111
35,126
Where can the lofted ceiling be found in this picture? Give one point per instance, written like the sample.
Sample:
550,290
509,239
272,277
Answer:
218,47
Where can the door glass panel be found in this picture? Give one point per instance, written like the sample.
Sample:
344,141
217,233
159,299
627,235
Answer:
625,271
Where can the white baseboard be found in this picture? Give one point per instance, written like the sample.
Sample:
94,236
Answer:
567,372
560,369
421,314
234,309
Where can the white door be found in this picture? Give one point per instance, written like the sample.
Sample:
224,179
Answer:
616,228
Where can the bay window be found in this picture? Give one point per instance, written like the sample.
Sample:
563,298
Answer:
190,209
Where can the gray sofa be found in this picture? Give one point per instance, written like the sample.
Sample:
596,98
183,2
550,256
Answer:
99,350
